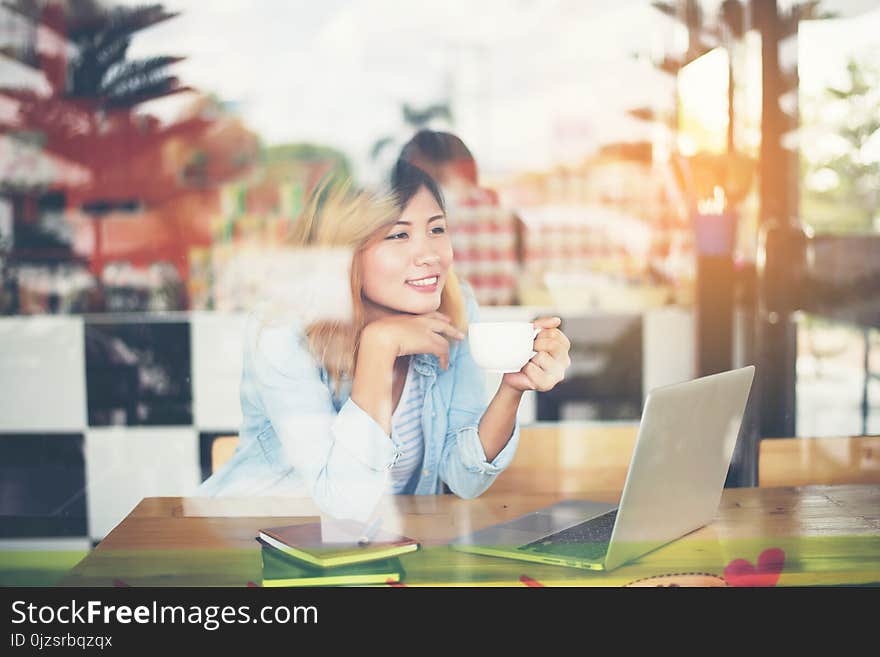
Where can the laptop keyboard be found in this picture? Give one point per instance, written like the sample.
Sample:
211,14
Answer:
594,533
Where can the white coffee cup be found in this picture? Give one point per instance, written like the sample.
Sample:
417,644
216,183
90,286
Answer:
502,346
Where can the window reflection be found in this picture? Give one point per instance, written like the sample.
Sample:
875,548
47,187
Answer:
149,174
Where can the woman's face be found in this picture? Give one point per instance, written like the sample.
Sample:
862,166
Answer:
406,271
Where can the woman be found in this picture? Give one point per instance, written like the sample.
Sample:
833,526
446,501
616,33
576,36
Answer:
390,402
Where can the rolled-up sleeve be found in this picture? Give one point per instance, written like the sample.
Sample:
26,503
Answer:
473,457
361,436
464,467
343,458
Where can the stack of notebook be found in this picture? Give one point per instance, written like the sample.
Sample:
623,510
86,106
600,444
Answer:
298,555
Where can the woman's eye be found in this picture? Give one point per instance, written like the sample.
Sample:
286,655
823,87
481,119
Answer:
438,230
396,236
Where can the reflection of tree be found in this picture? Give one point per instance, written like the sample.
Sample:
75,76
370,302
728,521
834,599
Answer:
850,174
98,78
281,160
87,108
414,119
101,71
210,145
88,116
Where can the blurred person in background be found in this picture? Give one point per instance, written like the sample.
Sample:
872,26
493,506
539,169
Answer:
492,263
390,401
444,157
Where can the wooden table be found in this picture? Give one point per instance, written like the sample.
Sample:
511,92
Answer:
827,534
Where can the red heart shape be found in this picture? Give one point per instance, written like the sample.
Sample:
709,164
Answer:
740,572
528,581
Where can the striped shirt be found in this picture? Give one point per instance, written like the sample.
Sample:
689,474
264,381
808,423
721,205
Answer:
406,434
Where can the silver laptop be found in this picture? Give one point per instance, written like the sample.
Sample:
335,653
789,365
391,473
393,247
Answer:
676,476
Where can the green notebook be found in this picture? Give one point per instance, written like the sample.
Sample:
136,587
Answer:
281,570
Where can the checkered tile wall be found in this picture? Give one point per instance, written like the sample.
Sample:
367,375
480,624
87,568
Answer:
99,412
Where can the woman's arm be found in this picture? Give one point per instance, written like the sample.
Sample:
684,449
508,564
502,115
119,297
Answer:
381,343
481,440
373,380
343,458
551,345
497,423
470,461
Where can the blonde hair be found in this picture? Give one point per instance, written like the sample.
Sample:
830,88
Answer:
339,216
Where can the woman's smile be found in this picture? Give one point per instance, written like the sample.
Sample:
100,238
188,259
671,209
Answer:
426,284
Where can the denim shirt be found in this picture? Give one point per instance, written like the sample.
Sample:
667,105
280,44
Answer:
298,437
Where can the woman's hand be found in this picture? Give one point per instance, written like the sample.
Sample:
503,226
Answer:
403,335
547,367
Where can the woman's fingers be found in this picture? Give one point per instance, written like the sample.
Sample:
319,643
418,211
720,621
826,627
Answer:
554,334
439,315
552,367
537,377
555,345
519,380
547,322
445,328
441,350
547,367
543,360
545,371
